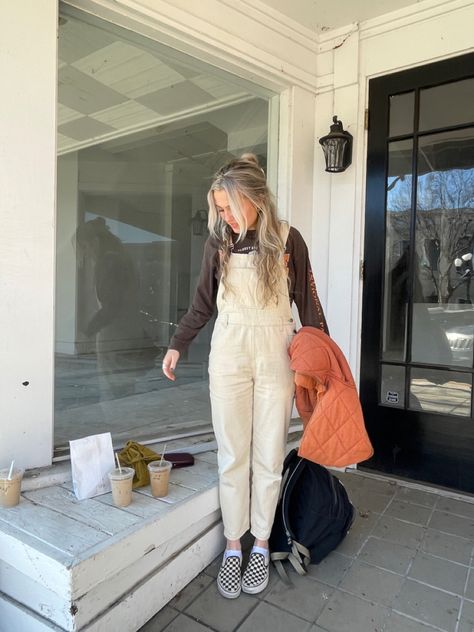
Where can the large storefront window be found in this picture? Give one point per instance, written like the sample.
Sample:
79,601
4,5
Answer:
141,131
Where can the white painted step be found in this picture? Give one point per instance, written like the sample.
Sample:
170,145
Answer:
134,609
73,563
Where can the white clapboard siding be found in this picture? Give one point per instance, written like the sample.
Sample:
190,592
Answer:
105,594
134,609
100,563
34,558
142,603
74,615
29,593
16,618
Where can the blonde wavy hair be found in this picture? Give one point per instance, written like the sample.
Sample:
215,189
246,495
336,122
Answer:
243,177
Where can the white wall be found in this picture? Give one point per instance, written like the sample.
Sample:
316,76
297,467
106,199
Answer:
27,202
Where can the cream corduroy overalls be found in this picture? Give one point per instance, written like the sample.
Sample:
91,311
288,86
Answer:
251,388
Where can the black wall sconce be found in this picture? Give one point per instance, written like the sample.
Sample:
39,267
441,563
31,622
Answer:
199,222
337,148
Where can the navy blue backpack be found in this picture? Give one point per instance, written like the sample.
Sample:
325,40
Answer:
313,515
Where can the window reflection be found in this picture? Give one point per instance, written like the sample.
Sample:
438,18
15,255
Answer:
443,392
443,314
141,131
397,221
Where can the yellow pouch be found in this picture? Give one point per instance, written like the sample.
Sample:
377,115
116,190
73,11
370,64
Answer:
138,456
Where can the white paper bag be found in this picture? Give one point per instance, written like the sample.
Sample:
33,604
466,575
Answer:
92,458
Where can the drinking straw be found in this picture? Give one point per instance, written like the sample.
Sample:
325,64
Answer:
118,462
11,470
163,454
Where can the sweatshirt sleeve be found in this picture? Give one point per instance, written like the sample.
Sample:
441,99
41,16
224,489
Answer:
203,304
302,284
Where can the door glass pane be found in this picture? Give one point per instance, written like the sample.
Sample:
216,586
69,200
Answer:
141,131
446,105
392,389
401,113
443,292
444,392
397,240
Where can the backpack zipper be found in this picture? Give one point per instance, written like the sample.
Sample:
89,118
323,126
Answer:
287,531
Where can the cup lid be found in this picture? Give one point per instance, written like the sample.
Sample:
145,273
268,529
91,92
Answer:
157,464
126,472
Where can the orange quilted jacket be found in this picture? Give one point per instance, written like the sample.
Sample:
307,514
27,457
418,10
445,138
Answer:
327,401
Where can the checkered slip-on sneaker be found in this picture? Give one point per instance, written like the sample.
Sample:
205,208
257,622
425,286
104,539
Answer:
229,576
255,578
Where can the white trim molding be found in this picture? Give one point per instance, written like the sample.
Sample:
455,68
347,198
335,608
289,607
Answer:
230,36
411,15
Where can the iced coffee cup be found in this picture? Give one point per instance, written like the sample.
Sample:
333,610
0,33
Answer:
121,483
10,487
159,477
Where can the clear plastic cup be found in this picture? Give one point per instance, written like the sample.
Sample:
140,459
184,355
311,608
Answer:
159,477
10,489
121,482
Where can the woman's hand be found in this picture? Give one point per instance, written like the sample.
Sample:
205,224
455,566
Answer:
169,363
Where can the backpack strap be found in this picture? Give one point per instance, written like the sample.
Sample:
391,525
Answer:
299,557
277,559
302,550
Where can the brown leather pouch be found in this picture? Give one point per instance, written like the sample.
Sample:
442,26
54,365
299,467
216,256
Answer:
180,459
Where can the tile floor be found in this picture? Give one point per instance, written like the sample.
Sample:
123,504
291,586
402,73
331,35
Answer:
406,566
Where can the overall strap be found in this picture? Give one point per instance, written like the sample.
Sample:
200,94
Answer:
284,231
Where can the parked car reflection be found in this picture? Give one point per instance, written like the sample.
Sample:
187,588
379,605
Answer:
460,340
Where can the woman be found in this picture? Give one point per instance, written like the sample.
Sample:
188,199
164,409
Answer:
253,267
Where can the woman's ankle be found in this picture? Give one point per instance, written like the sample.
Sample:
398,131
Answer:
233,545
261,544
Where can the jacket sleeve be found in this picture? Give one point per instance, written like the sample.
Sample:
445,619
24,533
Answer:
204,301
303,287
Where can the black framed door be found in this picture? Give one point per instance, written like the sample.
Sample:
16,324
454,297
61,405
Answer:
418,304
